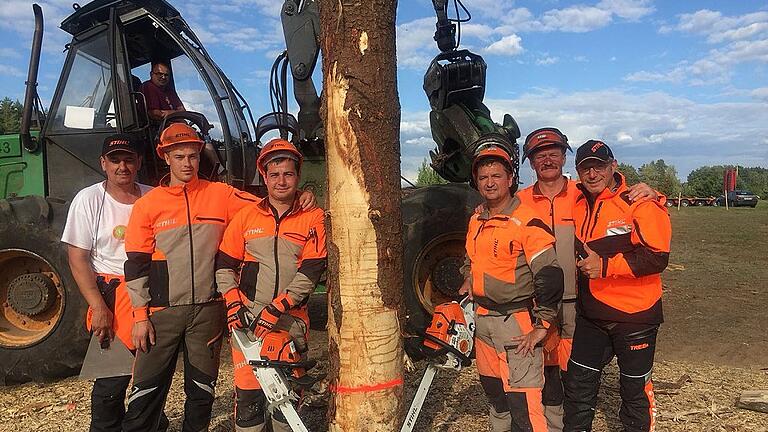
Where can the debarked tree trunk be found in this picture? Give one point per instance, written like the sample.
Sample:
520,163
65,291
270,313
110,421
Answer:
362,124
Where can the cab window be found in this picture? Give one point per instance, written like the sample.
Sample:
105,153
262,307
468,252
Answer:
87,100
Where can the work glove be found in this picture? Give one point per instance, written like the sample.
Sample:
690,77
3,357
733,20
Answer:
269,316
238,314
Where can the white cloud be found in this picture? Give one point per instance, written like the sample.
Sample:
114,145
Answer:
719,28
577,19
242,25
742,51
628,9
760,94
9,53
623,137
518,19
547,60
10,71
675,75
737,40
257,78
415,47
510,45
581,59
421,142
488,8
745,32
481,31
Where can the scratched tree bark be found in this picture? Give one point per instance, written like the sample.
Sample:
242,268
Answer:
361,114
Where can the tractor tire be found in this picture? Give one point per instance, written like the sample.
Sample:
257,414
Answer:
42,313
669,203
684,203
700,203
435,220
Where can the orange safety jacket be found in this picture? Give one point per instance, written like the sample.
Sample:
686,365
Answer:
632,240
279,255
558,214
513,264
172,239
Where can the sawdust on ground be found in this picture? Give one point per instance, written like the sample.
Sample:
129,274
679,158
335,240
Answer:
691,397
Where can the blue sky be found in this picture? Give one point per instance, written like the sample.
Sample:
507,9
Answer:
685,81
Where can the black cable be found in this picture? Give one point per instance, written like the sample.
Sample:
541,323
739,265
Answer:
277,91
458,20
284,86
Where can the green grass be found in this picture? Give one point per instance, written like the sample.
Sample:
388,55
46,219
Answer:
716,287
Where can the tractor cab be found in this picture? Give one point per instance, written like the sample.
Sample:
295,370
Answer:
99,93
114,43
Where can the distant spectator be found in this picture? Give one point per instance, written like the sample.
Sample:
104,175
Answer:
160,93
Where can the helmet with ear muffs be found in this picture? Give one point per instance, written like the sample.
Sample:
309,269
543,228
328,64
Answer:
496,146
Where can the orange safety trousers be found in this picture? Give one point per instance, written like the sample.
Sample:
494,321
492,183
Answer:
559,341
119,303
512,382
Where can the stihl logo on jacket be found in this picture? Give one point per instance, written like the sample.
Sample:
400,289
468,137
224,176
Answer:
632,240
272,255
172,239
513,262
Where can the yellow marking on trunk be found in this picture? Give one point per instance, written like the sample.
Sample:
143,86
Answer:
368,346
363,43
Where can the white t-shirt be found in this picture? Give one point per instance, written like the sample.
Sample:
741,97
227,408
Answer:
97,222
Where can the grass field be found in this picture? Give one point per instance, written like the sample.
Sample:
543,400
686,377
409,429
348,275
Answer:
716,287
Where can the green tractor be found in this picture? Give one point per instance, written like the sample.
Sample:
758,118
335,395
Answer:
42,332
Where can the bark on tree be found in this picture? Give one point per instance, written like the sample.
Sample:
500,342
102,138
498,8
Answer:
362,126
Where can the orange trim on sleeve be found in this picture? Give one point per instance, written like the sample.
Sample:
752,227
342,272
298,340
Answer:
140,313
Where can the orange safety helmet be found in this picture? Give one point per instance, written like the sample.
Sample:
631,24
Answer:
496,146
178,133
492,151
544,137
278,148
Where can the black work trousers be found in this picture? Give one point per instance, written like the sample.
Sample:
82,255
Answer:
198,330
594,345
108,405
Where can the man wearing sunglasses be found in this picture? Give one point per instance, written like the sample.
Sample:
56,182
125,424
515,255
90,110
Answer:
160,93
622,246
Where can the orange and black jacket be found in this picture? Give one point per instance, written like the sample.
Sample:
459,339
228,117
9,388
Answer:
632,240
172,239
513,263
273,255
558,214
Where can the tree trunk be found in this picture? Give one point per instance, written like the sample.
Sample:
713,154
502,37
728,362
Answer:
362,127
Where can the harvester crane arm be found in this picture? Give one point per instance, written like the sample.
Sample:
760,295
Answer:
455,86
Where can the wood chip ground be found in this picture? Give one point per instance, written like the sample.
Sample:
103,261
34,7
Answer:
691,398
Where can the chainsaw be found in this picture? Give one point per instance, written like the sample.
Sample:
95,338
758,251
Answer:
447,344
278,367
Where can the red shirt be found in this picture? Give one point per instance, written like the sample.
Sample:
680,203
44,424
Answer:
160,98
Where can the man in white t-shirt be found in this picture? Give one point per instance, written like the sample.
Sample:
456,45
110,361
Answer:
94,233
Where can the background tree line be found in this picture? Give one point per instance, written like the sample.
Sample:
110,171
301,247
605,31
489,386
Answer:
10,116
702,182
